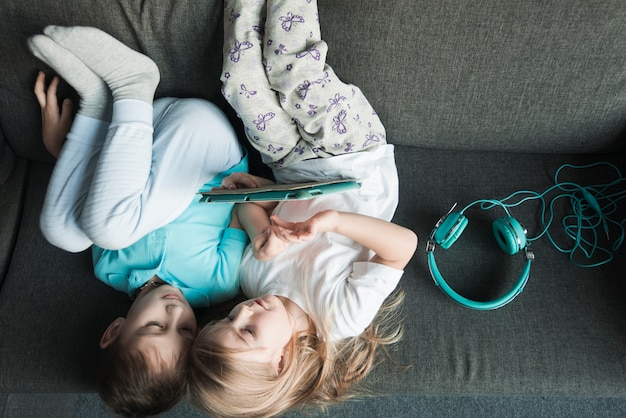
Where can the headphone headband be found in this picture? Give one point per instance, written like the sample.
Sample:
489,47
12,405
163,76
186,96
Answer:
480,305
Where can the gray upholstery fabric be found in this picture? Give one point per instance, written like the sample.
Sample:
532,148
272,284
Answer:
89,405
481,98
558,337
7,160
564,335
518,76
12,192
457,75
52,310
183,37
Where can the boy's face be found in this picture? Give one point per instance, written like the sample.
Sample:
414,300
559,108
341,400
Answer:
257,328
160,323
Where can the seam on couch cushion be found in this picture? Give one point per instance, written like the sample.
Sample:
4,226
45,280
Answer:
11,205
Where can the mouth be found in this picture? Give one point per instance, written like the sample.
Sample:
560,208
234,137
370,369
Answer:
172,296
261,303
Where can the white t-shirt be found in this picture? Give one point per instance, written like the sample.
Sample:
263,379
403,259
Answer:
330,277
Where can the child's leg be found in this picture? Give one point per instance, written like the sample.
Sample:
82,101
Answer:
69,185
114,168
72,174
141,184
124,161
332,115
269,129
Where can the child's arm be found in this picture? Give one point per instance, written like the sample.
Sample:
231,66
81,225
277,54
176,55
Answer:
234,220
254,217
394,245
55,122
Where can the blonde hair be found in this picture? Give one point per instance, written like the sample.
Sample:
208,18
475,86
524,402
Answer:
315,373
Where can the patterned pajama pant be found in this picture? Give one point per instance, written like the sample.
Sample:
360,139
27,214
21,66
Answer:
275,76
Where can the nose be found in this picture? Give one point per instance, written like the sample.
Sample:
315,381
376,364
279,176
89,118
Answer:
177,315
172,308
244,312
177,312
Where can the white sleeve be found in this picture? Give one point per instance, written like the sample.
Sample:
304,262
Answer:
357,302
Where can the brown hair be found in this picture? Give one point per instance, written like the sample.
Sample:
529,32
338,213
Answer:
315,372
130,386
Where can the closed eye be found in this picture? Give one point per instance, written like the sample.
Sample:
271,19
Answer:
247,331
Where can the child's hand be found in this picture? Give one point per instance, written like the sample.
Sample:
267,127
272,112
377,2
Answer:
269,244
55,122
240,180
281,234
304,231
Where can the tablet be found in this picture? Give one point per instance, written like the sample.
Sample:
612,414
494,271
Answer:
279,192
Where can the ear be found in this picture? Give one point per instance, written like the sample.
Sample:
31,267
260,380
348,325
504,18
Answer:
112,332
279,361
280,365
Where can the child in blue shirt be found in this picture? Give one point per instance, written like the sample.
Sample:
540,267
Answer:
125,184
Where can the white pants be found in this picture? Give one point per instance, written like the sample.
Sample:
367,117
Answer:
114,183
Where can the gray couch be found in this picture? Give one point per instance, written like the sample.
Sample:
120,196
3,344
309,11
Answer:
481,99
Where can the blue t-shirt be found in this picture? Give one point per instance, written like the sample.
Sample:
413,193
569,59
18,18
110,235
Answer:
196,253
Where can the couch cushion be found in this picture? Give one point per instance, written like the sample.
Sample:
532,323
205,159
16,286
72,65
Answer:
488,74
483,75
11,202
52,309
7,159
564,335
183,37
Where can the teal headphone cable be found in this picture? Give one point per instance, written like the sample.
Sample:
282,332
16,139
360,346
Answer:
592,217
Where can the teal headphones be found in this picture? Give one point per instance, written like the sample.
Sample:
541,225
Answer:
594,212
510,236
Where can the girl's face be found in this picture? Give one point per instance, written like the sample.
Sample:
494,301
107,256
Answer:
257,330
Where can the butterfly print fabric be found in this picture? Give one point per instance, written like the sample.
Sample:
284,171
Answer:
293,105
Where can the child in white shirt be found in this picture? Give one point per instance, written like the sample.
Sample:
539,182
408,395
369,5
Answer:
318,271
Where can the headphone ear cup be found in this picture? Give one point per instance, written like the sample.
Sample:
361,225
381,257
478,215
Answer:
509,234
450,230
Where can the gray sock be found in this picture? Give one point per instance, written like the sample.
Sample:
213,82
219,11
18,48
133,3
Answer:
128,73
95,97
